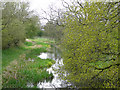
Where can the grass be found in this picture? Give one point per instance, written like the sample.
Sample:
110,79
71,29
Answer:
10,54
44,40
18,70
28,43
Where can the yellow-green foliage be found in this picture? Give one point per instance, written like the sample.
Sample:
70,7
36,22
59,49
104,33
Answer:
90,45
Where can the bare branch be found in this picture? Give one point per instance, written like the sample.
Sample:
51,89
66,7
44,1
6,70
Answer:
80,4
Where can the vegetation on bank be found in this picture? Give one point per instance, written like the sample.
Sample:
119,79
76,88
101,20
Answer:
90,44
18,23
23,66
88,34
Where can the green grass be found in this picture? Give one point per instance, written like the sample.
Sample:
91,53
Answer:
34,52
18,71
11,54
28,43
41,43
45,40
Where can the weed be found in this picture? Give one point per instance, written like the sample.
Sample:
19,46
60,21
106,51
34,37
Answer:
19,70
28,43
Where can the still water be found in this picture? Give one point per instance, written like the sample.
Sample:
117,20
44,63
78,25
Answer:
56,82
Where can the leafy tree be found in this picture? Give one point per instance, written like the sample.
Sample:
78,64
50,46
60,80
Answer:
54,31
54,26
12,27
90,44
32,26
18,23
40,33
13,34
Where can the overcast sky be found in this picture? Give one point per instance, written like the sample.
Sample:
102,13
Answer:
38,5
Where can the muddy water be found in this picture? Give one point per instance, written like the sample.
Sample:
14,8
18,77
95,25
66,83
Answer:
56,82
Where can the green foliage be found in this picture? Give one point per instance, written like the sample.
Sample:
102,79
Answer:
13,35
11,54
13,29
17,24
90,45
19,69
54,31
40,33
35,52
28,43
32,26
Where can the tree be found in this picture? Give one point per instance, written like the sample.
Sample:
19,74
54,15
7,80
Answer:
12,27
90,44
32,25
18,23
55,24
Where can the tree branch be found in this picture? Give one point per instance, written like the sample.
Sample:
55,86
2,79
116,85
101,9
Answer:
80,4
103,69
111,53
107,67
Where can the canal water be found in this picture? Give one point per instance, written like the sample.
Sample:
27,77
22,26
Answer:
56,82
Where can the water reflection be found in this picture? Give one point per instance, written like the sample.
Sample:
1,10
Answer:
30,85
46,56
56,82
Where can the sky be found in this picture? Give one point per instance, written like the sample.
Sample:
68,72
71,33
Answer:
38,5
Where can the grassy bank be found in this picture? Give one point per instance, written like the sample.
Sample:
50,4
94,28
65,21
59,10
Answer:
22,66
10,54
